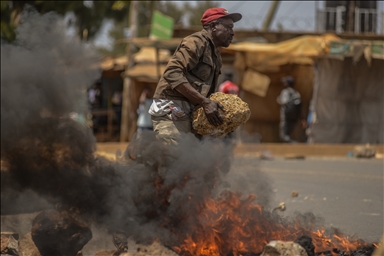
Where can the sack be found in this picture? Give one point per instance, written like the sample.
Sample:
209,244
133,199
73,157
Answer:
292,109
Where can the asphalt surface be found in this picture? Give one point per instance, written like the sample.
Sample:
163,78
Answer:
347,193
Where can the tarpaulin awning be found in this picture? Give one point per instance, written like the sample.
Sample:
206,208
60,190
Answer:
146,72
263,57
301,50
148,55
118,63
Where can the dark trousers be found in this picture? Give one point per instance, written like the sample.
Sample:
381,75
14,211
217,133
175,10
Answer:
286,127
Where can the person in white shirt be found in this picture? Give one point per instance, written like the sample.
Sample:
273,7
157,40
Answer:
144,121
290,111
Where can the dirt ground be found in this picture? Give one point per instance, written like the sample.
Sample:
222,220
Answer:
101,243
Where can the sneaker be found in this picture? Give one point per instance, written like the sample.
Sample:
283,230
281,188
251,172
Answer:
120,240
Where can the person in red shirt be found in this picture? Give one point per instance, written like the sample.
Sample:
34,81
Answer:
228,87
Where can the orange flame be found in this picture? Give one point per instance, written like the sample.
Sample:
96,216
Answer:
234,225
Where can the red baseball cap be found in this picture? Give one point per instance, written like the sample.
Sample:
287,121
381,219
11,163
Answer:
217,13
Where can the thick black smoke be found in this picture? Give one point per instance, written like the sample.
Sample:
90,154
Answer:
45,73
154,192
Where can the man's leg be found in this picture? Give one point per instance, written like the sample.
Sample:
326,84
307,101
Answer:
283,132
283,127
120,240
289,126
170,130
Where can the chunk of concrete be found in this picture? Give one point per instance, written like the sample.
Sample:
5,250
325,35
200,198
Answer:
281,248
236,113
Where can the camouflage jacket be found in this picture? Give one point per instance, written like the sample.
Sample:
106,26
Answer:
196,61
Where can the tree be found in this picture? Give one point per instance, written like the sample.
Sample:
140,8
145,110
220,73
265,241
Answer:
172,9
88,15
146,8
116,33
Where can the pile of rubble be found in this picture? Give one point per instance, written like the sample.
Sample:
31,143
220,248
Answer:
60,234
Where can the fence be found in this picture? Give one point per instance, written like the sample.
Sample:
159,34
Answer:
328,19
365,20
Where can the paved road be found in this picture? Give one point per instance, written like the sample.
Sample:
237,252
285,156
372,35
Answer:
346,192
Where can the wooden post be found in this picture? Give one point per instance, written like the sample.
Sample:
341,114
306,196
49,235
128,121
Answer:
350,17
126,104
270,15
158,61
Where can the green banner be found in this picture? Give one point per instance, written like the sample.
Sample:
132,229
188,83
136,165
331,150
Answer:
162,26
340,48
378,48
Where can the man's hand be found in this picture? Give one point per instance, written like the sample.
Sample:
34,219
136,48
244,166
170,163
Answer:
211,107
211,110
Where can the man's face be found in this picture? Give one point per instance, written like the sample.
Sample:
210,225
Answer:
223,33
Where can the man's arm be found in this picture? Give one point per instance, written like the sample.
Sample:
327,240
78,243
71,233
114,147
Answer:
211,107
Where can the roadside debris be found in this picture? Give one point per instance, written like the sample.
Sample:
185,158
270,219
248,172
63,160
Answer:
9,243
295,194
266,155
280,248
293,156
366,151
281,207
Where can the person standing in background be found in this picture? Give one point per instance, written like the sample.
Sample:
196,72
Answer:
228,86
144,121
290,110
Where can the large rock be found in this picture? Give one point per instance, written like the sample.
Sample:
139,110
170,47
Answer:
236,113
281,248
58,233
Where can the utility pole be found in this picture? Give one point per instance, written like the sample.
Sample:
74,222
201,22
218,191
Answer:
126,111
350,21
271,14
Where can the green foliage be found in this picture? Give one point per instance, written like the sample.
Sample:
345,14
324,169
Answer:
172,9
88,17
117,49
145,11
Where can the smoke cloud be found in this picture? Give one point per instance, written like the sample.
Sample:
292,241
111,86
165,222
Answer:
44,78
44,72
153,192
